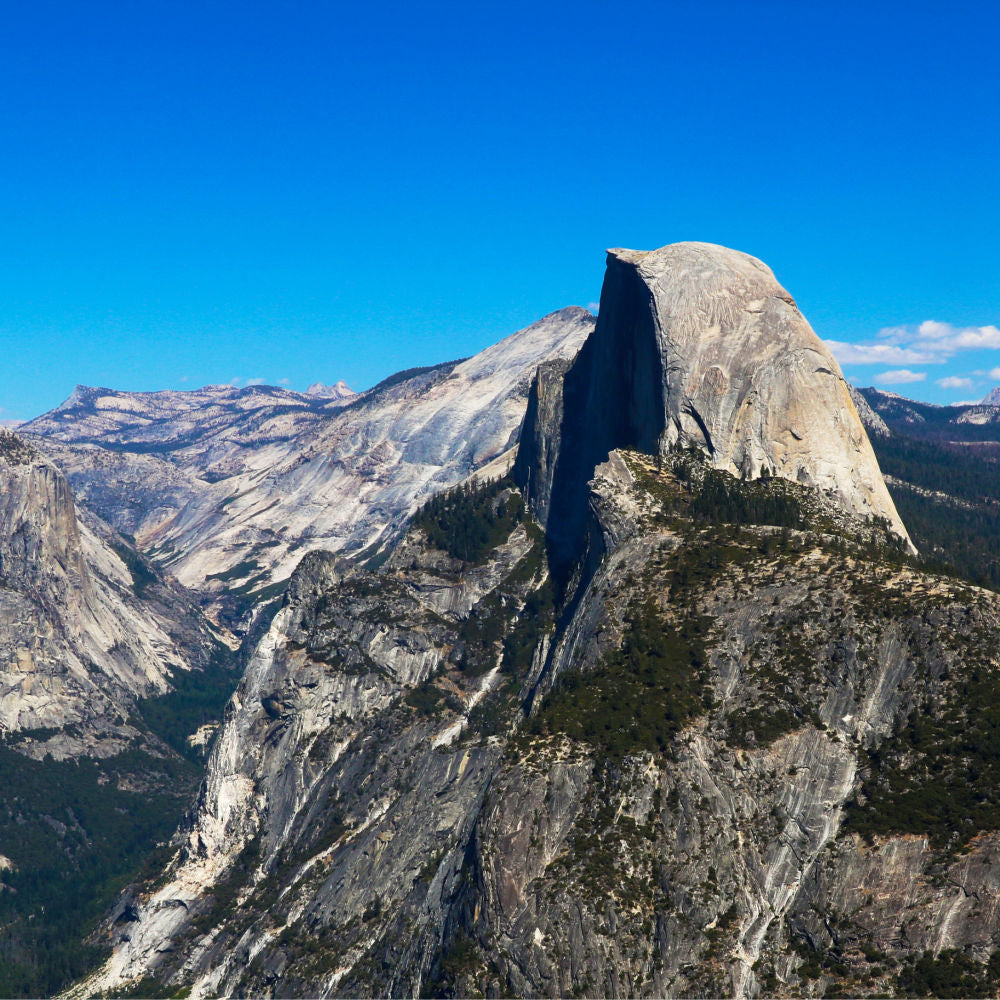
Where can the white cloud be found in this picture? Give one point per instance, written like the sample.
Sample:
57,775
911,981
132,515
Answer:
954,382
878,354
994,373
284,381
900,377
942,339
928,343
593,307
241,381
257,381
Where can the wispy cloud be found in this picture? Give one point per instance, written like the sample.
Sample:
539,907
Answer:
593,307
240,381
954,382
900,377
879,354
284,381
928,343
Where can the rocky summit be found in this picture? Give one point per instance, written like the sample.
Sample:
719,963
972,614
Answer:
615,672
698,345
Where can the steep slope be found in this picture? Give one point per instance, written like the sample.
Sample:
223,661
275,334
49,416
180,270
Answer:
343,788
230,488
87,628
699,345
105,670
729,784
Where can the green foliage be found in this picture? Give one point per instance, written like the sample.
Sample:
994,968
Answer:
225,892
948,974
142,575
426,698
639,696
15,450
468,522
722,498
961,538
199,696
75,837
761,726
940,776
237,572
149,988
534,619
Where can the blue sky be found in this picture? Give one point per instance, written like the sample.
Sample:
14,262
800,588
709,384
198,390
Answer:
298,191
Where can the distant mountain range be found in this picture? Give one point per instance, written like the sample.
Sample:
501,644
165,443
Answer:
228,488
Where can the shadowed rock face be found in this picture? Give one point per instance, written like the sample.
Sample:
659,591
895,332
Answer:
699,345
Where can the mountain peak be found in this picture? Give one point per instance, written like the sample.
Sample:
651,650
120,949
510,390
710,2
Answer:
699,345
339,390
992,398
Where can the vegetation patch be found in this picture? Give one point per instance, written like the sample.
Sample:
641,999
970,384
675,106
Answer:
142,575
76,838
640,695
940,775
469,521
198,697
949,974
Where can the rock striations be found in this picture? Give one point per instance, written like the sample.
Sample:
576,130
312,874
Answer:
699,345
665,748
229,488
87,628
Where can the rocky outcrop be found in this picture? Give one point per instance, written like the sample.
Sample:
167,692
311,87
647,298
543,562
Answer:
85,627
348,771
874,424
698,345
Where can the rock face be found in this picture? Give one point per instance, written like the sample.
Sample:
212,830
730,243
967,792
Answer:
696,344
874,424
687,817
345,759
229,488
85,627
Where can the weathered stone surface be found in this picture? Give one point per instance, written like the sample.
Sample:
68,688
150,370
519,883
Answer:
696,344
78,644
874,424
229,487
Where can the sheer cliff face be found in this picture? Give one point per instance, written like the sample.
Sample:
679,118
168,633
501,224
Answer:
699,345
77,644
